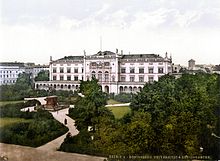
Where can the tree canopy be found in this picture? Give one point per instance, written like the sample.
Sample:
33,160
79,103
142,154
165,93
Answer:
42,76
168,117
89,107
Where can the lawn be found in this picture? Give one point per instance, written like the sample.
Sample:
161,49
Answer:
119,111
112,102
2,103
7,121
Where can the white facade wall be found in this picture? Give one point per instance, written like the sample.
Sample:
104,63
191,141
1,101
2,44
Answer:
110,75
9,74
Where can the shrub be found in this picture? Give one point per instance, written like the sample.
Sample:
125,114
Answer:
124,97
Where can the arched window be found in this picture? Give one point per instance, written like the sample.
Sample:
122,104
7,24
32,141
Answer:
125,88
135,89
106,76
130,89
113,78
100,76
139,88
121,89
93,74
107,89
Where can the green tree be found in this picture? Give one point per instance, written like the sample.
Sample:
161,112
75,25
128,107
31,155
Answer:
42,76
90,106
181,109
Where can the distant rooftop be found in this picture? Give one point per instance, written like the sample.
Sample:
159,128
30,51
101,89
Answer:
109,53
100,53
191,60
71,58
12,64
135,56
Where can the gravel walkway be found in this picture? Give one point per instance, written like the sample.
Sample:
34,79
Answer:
60,116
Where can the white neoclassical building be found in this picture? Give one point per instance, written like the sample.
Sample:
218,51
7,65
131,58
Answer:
9,72
116,72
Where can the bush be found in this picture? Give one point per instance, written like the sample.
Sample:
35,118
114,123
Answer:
80,143
124,97
42,129
13,110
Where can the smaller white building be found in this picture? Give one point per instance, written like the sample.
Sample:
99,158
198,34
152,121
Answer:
9,72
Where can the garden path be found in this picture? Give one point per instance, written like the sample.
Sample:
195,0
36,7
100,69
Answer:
60,115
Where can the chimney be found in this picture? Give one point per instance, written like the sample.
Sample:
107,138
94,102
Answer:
51,58
121,52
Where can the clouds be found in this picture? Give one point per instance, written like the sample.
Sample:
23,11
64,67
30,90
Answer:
45,27
183,13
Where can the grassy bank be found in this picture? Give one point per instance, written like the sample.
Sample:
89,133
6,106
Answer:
8,121
2,103
119,111
112,102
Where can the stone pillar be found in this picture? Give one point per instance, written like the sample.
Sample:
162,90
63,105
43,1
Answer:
51,69
84,66
116,70
166,60
116,65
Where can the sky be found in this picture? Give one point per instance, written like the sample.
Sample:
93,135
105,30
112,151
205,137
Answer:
34,30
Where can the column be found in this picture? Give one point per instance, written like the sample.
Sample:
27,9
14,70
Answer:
84,66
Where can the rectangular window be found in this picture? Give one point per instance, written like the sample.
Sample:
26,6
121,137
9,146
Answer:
141,70
106,63
106,77
131,78
122,70
61,70
131,70
141,78
54,70
150,79
113,78
75,70
69,78
122,78
76,78
82,70
160,70
100,77
93,64
68,70
61,77
150,70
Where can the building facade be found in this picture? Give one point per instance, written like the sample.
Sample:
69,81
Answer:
9,72
116,72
